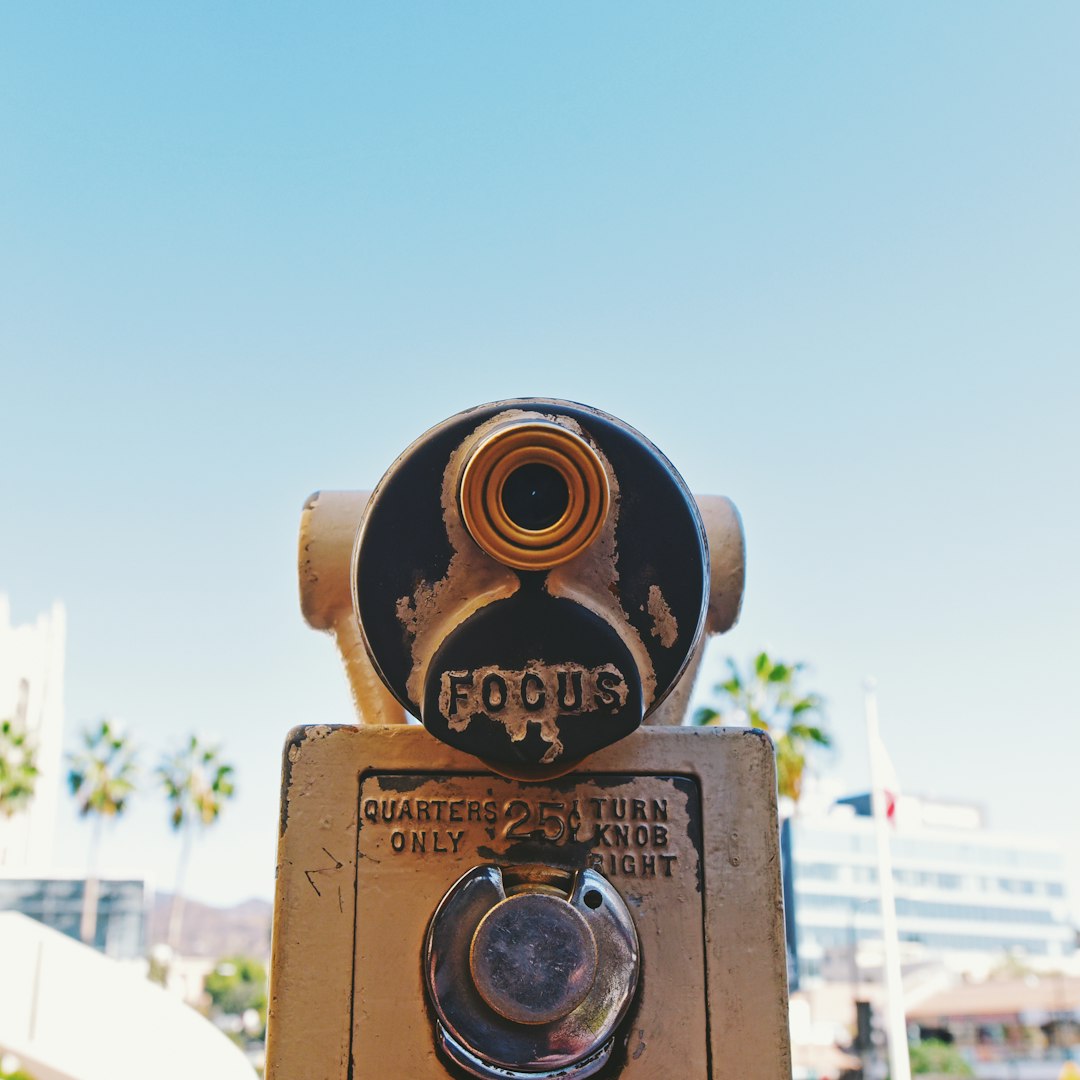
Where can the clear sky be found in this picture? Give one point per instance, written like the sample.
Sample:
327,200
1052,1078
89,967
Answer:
826,256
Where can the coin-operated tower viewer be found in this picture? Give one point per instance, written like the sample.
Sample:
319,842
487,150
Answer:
549,877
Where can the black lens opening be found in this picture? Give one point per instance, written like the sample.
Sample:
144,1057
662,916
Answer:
535,496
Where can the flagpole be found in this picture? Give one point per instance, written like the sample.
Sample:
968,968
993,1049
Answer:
896,1023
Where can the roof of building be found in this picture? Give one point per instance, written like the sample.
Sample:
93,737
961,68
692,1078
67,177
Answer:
69,1013
1002,998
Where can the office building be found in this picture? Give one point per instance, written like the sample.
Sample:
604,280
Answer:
57,902
966,896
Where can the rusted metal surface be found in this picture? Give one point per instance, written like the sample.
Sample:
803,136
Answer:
328,527
327,536
529,535
380,822
539,694
531,886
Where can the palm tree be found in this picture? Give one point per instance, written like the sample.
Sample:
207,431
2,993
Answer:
197,785
101,776
18,771
768,698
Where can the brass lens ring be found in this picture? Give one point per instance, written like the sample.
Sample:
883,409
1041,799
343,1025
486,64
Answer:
578,514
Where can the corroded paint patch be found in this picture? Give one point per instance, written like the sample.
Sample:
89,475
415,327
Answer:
472,580
640,832
592,580
665,625
538,694
407,815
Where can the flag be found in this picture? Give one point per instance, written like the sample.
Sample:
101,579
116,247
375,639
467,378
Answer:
884,774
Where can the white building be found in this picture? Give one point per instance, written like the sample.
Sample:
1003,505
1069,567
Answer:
68,1013
32,695
966,896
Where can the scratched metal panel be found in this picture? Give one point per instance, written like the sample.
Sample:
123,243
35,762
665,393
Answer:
419,833
331,939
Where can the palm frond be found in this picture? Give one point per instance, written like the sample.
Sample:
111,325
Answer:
768,697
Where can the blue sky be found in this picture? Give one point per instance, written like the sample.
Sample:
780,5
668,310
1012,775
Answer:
824,255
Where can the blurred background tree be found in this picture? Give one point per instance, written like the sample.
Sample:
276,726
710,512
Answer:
18,771
197,785
767,696
237,987
13,1073
936,1058
101,776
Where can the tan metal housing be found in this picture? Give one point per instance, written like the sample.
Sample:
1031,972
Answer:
328,530
378,822
354,899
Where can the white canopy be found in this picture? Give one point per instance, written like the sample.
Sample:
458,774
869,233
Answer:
69,1013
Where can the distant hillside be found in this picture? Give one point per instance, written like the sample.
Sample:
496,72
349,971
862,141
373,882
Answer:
243,930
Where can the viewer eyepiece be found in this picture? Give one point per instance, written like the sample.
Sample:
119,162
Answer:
534,494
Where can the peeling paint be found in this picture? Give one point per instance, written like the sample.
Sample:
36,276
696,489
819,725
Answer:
472,581
718,951
289,757
537,694
592,579
665,625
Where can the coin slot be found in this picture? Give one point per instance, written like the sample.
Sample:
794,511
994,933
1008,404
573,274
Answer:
523,981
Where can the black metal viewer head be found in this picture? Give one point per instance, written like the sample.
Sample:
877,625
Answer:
531,578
